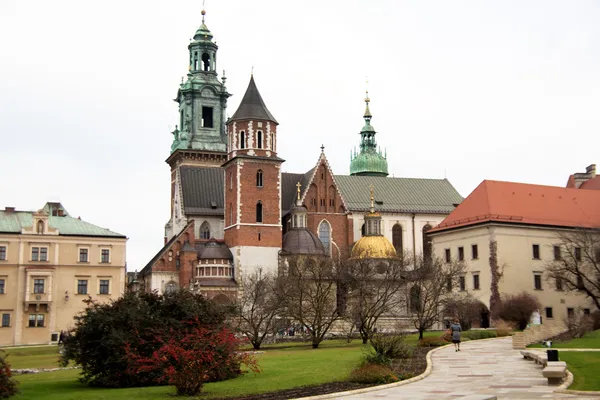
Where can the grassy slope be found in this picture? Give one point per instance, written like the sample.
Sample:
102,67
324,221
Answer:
591,340
33,357
585,367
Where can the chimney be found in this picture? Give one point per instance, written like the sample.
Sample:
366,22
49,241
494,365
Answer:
591,170
9,209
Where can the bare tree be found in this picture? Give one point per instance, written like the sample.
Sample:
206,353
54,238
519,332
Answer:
375,289
258,307
464,307
308,291
576,264
430,285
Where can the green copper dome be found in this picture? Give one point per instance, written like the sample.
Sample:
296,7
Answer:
369,160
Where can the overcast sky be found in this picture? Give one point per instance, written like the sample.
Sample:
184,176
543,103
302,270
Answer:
471,90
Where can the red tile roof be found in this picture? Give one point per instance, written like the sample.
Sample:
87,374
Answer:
526,204
591,184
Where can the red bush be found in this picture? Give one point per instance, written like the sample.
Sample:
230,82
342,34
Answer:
373,373
190,361
8,385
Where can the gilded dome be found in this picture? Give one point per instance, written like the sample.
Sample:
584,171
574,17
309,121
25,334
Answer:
373,247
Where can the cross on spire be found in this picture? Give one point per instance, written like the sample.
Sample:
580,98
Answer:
372,190
298,185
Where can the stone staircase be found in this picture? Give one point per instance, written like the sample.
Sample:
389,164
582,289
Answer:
537,333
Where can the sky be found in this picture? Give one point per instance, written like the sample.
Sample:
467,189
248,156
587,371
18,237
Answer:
468,90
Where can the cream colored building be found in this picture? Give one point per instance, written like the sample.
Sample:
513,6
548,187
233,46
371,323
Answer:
515,226
49,263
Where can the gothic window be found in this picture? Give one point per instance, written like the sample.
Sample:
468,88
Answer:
205,230
259,178
397,239
259,212
426,243
325,235
242,140
207,117
332,197
40,227
259,141
415,299
206,62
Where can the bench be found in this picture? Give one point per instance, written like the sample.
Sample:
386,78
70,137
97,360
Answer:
555,372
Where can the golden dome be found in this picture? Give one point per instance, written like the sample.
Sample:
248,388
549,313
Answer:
373,247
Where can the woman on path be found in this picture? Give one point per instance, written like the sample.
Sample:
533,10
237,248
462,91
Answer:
455,330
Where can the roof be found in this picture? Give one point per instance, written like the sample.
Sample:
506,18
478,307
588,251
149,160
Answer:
202,189
213,249
591,184
302,241
252,105
289,189
14,222
524,203
148,267
435,196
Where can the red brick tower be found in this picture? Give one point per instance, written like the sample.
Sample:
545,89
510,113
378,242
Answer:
253,228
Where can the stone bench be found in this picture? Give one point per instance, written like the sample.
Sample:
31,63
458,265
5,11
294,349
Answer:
541,358
555,372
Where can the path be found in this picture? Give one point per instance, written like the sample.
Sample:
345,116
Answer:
481,367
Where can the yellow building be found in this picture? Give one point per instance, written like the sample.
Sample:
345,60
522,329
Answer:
49,263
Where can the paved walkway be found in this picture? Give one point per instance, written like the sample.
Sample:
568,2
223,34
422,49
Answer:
481,367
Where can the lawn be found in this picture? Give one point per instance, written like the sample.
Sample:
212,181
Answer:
585,367
590,340
33,357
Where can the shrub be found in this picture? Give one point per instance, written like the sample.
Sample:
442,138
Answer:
372,374
8,385
391,346
103,332
432,342
467,309
518,308
475,335
504,332
188,362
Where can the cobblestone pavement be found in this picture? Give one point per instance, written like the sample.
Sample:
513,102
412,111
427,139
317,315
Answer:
482,367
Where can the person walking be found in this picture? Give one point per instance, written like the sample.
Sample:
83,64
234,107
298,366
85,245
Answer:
455,330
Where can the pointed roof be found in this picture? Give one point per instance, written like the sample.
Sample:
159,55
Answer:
252,106
522,203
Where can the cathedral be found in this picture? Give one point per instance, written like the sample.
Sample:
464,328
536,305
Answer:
233,210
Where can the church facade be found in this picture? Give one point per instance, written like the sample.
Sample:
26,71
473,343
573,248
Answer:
233,210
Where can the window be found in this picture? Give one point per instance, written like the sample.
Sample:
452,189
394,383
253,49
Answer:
461,254
476,281
230,181
462,283
82,286
578,253
586,311
259,141
448,256
570,312
205,62
580,284
207,117
35,254
549,313
259,212
242,140
83,255
38,286
196,61
2,286
557,255
36,320
325,235
104,286
181,119
537,281
536,251
449,284
272,142
397,239
259,178
474,252
2,253
43,254
331,202
322,202
559,285
5,320
105,256
205,230
230,214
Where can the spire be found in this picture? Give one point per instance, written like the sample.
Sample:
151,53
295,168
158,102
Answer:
252,106
372,189
367,111
203,33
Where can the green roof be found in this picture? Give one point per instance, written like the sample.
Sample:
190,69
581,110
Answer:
14,222
408,195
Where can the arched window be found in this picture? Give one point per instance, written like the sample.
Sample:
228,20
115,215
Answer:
205,230
426,243
272,142
259,178
242,140
206,62
363,230
40,226
325,235
415,299
397,239
259,142
259,212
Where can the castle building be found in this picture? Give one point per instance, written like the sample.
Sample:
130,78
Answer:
231,200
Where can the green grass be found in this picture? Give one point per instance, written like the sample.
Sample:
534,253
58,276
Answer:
281,369
33,357
590,340
585,367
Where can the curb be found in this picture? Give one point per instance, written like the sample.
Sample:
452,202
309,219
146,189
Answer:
381,387
562,389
